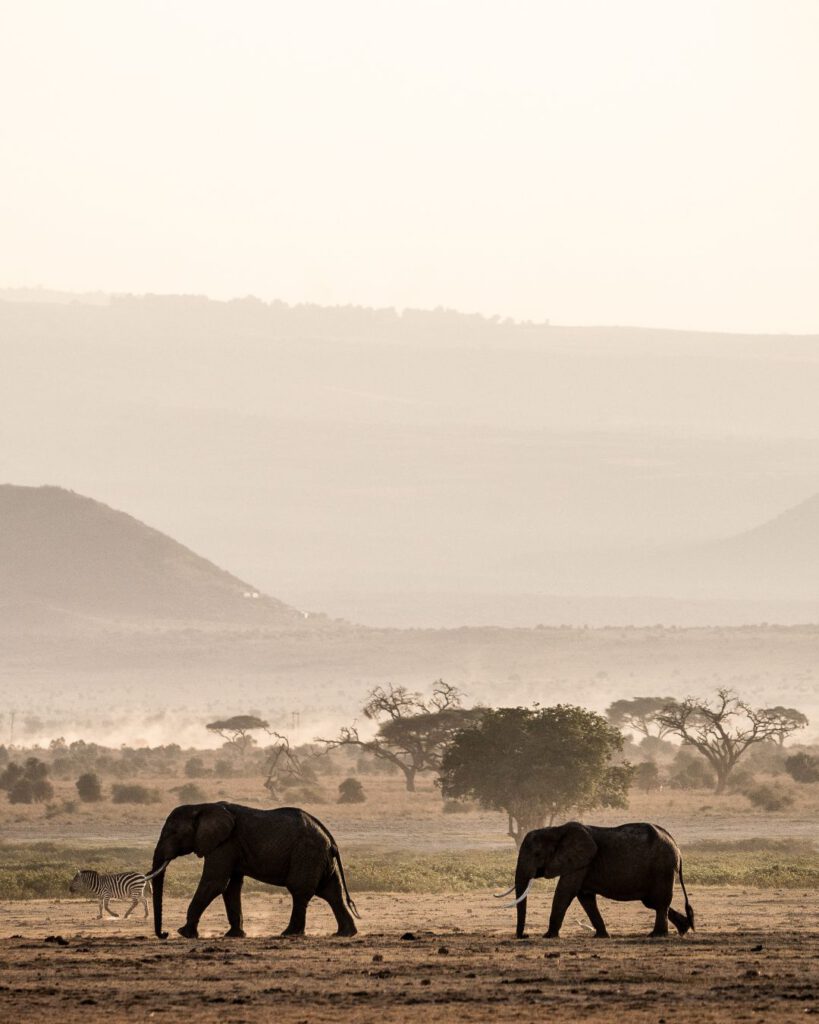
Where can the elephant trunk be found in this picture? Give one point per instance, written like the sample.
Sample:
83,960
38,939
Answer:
159,862
523,880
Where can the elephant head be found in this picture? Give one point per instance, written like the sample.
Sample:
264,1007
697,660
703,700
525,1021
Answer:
548,853
192,828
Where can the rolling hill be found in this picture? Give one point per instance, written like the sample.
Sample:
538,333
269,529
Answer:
65,559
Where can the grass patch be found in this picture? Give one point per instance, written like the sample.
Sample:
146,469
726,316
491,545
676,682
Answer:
43,870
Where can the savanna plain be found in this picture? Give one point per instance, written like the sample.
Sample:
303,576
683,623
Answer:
432,942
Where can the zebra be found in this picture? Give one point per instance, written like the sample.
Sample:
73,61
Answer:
126,885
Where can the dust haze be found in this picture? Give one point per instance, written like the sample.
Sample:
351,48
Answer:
408,413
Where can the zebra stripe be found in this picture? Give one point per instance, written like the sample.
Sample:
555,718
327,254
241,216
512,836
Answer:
126,885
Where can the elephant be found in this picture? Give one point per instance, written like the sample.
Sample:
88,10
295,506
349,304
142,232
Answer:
286,846
637,861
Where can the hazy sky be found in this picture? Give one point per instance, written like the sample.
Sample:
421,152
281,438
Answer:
589,161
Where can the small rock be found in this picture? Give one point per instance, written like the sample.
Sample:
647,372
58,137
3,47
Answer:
57,940
757,949
752,972
425,981
377,958
408,937
443,951
552,956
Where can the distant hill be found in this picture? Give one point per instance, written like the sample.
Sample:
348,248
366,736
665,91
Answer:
778,559
64,557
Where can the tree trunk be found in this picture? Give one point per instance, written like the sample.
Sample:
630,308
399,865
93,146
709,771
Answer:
409,777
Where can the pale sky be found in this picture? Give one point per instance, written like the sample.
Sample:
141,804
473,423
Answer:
650,162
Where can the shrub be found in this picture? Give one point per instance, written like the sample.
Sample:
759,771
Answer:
123,793
350,791
27,784
89,788
689,771
802,767
223,769
195,768
769,798
740,780
66,807
646,776
190,793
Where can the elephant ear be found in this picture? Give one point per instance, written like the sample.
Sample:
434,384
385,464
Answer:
214,823
575,849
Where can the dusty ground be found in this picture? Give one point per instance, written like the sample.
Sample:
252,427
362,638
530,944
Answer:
755,956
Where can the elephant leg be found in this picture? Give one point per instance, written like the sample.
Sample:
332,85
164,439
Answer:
298,915
660,908
565,892
212,884
131,908
331,892
233,907
588,901
680,921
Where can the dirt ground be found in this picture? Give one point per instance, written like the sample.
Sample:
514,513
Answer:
754,956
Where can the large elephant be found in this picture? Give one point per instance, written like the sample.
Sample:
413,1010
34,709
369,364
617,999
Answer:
629,862
286,846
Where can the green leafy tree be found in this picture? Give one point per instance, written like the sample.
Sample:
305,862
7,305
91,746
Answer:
722,730
413,731
537,764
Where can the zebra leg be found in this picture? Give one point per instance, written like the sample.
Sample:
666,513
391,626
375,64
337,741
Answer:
113,913
132,907
233,907
145,904
99,915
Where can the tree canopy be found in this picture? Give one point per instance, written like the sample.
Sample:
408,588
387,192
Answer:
723,729
536,764
236,731
413,731
640,714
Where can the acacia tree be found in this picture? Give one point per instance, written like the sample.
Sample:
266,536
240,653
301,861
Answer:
536,764
640,714
724,729
412,731
784,721
236,731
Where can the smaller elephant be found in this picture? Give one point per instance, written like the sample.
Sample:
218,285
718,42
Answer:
630,862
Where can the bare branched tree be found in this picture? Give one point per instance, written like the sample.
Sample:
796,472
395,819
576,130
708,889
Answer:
724,729
286,767
413,731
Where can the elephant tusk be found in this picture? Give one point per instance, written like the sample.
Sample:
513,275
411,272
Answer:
500,895
520,898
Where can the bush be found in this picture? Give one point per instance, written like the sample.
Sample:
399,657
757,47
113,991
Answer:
89,788
66,807
769,798
350,791
122,793
646,776
190,793
802,767
27,784
195,768
223,769
690,771
740,780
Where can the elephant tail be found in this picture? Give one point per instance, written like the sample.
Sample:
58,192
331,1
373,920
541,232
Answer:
689,910
336,856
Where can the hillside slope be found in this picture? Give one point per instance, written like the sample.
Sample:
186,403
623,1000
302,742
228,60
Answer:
63,555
